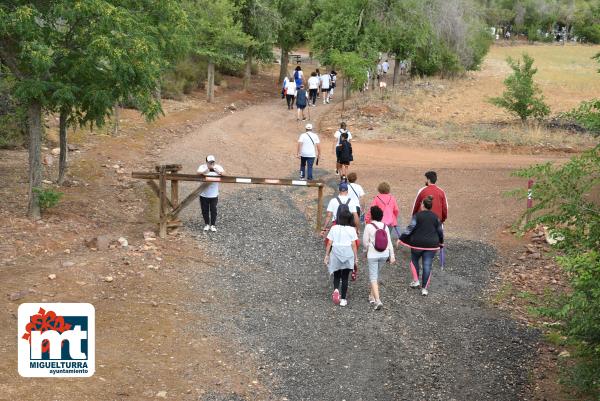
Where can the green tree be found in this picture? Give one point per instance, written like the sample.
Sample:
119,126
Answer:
122,50
259,21
219,38
522,96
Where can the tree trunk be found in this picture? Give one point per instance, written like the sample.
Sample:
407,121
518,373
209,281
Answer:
34,126
62,160
116,113
396,69
285,60
210,84
248,73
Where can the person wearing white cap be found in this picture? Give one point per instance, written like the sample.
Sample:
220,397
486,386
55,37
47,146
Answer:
309,149
210,196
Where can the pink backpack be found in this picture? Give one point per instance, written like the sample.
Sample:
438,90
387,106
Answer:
381,240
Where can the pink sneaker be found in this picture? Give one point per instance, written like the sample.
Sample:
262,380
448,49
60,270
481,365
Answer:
336,297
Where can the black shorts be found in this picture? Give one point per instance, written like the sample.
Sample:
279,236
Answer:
324,89
344,162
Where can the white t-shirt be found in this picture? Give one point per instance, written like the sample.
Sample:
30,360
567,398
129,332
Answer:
369,241
338,134
342,235
325,81
308,149
212,190
291,88
385,66
313,83
334,204
355,192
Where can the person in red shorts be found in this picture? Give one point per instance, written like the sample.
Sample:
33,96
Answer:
440,203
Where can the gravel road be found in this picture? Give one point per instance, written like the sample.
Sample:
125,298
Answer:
448,346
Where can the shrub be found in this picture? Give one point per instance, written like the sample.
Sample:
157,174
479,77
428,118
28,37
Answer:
587,114
47,197
522,96
12,117
588,33
565,202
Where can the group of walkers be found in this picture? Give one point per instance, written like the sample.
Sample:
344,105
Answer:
294,89
424,236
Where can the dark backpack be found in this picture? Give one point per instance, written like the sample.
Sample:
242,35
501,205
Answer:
343,207
381,239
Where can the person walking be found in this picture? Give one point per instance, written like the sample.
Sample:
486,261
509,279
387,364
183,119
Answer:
319,77
357,193
210,196
325,86
313,88
301,102
424,236
298,76
337,135
377,242
341,255
333,76
290,93
385,67
440,202
344,202
344,155
386,202
309,149
284,87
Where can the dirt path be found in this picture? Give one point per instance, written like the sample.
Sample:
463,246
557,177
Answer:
266,299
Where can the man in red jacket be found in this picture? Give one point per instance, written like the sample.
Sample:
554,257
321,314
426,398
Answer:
440,204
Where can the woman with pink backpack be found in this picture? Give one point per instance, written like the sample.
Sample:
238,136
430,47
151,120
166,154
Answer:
378,243
386,202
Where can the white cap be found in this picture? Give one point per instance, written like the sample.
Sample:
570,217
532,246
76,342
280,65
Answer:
210,158
308,126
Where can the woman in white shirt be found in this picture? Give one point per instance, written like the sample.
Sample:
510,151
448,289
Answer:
376,258
290,93
341,255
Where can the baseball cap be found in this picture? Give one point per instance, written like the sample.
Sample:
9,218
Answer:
210,158
308,126
343,187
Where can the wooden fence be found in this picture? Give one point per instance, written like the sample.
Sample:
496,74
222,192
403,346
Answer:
169,208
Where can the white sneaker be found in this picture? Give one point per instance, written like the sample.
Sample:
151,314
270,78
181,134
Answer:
414,284
424,292
206,227
213,228
371,300
378,305
343,302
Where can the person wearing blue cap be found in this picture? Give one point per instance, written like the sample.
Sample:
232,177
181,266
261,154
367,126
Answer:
341,202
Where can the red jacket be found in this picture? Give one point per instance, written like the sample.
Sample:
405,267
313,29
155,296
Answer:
440,203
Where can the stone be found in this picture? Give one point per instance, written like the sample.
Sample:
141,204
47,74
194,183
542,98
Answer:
67,263
564,354
48,160
100,242
55,151
108,279
161,394
149,236
72,148
52,276
15,296
232,106
123,242
154,303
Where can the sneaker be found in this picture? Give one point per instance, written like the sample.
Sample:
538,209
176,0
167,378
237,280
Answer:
378,305
336,296
213,229
343,302
424,292
414,284
371,299
207,227
301,175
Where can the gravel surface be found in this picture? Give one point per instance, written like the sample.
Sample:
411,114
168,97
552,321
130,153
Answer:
447,346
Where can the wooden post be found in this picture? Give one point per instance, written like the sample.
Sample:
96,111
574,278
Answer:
174,193
163,202
319,208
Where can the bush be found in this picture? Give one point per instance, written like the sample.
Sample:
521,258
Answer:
587,114
588,33
187,76
12,117
47,197
565,203
522,96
